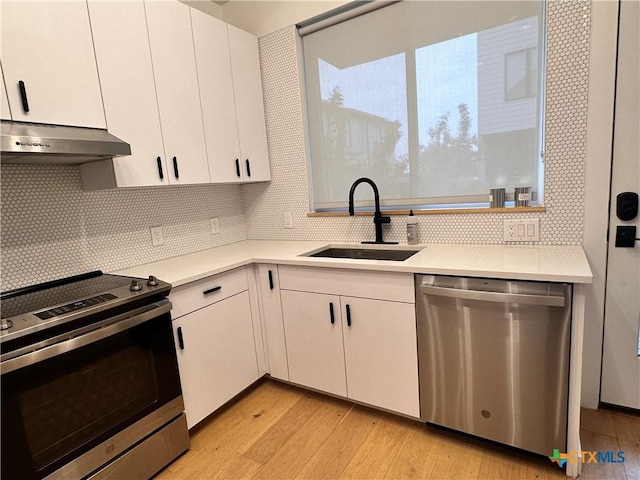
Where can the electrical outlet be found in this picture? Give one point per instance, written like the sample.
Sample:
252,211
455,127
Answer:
288,220
215,225
522,230
156,236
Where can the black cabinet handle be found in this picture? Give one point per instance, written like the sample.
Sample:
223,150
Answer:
23,96
248,168
333,318
175,167
237,167
160,173
180,339
270,280
348,315
212,290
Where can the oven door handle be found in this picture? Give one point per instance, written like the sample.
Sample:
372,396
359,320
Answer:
99,332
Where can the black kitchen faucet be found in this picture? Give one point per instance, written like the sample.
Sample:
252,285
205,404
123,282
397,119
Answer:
378,219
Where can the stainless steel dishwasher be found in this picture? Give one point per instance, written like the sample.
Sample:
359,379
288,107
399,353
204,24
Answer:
494,358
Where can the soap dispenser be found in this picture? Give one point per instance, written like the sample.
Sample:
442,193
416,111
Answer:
412,229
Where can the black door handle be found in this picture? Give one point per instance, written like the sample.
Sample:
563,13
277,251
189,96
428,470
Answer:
237,167
248,168
180,339
331,314
175,167
212,290
270,280
160,173
348,315
23,96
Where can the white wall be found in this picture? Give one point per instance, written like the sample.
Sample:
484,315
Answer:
267,16
206,6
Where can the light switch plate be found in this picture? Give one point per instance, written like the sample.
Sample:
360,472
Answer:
522,230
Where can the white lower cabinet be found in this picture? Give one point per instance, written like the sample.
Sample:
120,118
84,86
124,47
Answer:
214,342
361,348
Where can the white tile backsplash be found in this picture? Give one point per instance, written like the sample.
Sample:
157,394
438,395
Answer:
51,228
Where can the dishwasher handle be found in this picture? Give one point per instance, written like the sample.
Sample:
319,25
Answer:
544,300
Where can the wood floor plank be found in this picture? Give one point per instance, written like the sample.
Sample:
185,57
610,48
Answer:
341,446
628,433
597,421
376,454
413,457
294,454
215,443
273,438
500,467
592,442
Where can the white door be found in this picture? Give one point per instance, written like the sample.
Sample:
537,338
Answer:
126,75
621,352
211,43
217,357
381,353
48,47
247,86
176,79
314,340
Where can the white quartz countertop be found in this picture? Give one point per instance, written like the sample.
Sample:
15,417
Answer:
554,263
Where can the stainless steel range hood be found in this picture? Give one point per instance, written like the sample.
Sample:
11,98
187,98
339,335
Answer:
23,142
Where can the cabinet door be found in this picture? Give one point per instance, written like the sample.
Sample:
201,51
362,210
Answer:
218,357
211,44
126,75
48,46
273,326
247,86
314,341
176,80
5,113
380,352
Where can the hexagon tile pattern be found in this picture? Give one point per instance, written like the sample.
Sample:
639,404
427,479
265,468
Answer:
569,26
51,228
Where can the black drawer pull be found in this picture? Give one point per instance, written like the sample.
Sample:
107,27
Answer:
180,339
248,168
237,167
175,167
348,315
270,280
212,290
160,173
23,96
333,318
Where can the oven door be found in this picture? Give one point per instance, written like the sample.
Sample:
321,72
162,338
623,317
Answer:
62,401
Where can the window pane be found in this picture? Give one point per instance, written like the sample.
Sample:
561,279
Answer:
437,102
362,131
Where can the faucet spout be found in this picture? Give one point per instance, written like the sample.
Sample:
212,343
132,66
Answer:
378,219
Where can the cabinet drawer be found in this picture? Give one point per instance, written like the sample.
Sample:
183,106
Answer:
392,286
196,295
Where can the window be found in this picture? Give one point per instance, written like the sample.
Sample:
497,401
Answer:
436,101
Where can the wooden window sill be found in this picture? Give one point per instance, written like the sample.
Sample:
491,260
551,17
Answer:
450,211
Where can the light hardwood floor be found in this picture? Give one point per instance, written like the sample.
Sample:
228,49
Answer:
276,431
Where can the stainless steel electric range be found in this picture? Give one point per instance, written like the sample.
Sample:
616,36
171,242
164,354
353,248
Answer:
90,384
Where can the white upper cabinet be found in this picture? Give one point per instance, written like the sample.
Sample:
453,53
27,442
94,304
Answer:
49,64
232,104
128,89
176,81
247,86
5,113
216,94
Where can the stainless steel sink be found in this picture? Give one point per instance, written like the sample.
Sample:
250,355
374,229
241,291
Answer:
356,253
